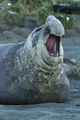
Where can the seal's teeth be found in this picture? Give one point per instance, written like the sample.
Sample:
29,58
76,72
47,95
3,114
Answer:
52,54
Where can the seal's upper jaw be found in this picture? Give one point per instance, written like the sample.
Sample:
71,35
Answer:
55,31
55,26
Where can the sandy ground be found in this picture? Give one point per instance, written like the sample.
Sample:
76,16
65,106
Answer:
69,110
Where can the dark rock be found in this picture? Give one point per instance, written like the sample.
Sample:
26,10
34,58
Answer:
13,1
13,18
9,36
22,31
4,27
30,21
77,22
1,1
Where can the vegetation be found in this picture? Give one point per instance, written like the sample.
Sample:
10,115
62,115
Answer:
46,9
42,9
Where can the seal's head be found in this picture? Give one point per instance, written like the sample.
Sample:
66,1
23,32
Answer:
44,43
50,41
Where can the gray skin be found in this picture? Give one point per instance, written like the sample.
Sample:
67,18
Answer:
29,73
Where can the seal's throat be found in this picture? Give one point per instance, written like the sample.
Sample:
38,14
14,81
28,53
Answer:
53,45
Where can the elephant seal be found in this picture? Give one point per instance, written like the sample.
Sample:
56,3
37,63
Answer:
32,71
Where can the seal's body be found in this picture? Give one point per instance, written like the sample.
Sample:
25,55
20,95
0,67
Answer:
32,71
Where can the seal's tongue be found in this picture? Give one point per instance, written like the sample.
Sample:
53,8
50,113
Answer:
51,44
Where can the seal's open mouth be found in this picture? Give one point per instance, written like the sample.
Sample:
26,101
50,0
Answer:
53,45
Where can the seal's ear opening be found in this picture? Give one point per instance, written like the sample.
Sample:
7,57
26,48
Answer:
53,45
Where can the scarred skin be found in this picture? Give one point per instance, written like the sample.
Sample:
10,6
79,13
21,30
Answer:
28,73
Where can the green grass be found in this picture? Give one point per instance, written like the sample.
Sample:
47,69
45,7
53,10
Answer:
43,8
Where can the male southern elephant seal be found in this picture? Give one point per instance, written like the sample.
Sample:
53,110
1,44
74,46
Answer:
32,71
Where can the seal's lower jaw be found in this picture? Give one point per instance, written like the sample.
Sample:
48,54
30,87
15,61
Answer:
53,45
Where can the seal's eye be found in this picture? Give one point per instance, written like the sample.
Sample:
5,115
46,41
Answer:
53,45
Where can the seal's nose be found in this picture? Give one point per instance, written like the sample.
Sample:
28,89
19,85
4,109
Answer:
50,17
55,26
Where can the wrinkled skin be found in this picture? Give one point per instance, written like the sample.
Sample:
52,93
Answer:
32,71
